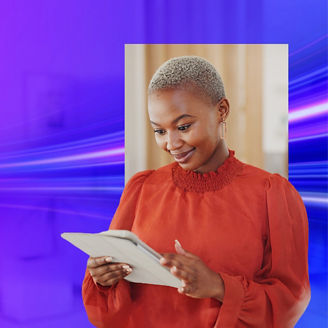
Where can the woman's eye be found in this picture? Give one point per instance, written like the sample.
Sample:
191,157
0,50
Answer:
184,127
161,132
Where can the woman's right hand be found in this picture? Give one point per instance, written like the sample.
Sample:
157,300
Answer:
106,273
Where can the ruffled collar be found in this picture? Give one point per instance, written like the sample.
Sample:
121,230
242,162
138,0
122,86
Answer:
211,181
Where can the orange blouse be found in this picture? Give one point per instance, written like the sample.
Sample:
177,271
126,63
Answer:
246,224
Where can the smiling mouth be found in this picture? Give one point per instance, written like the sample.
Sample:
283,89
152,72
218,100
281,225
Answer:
183,157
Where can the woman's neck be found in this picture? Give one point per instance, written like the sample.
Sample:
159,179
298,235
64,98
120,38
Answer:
220,154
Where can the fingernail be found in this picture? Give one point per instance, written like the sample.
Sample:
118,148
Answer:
178,247
162,260
174,269
125,267
108,259
128,270
178,243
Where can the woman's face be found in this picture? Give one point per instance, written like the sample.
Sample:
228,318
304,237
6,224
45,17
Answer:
187,127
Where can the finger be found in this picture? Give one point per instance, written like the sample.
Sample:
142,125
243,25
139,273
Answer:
94,262
182,251
168,257
183,273
113,275
176,260
171,256
101,270
178,247
186,256
190,255
187,289
112,279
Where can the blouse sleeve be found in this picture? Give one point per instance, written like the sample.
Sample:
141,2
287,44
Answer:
280,291
108,306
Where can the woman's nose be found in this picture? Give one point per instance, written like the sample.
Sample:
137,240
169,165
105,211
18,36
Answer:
173,141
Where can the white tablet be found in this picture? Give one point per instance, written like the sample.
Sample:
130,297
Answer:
125,247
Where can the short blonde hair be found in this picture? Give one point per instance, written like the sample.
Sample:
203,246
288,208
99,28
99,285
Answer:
189,72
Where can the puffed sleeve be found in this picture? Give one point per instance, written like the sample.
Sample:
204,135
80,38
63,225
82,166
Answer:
280,291
108,306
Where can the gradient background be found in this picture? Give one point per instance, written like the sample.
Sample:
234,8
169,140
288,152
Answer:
62,130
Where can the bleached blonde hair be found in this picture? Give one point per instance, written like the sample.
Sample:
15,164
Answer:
189,73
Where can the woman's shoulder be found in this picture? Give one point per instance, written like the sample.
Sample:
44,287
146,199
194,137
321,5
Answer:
139,177
256,175
146,176
270,181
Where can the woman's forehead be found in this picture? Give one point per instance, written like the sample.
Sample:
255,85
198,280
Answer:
167,105
175,98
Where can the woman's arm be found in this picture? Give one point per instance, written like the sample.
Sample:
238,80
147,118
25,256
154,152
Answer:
108,306
280,292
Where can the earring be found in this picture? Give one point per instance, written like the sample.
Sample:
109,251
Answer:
223,129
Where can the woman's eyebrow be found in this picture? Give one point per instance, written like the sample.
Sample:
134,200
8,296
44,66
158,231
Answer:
176,120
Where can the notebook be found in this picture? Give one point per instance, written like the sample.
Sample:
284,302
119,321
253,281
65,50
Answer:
124,246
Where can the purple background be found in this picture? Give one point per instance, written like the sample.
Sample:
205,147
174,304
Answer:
62,131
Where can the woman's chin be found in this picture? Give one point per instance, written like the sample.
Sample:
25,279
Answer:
188,166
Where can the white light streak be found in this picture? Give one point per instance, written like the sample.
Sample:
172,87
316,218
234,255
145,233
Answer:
306,112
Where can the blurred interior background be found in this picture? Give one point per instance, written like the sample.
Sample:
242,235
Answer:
256,84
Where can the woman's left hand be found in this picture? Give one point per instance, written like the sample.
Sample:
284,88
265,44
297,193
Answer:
198,280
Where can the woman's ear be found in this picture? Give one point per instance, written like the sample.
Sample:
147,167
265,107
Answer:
223,109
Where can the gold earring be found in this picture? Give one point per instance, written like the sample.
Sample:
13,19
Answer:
223,129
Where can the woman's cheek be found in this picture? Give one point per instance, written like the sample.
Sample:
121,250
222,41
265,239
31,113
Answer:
192,139
160,142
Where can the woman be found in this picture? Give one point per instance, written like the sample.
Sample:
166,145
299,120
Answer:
243,231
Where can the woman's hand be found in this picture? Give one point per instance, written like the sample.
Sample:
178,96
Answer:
198,280
105,273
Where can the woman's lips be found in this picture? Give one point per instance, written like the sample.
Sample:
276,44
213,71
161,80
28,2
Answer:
183,157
